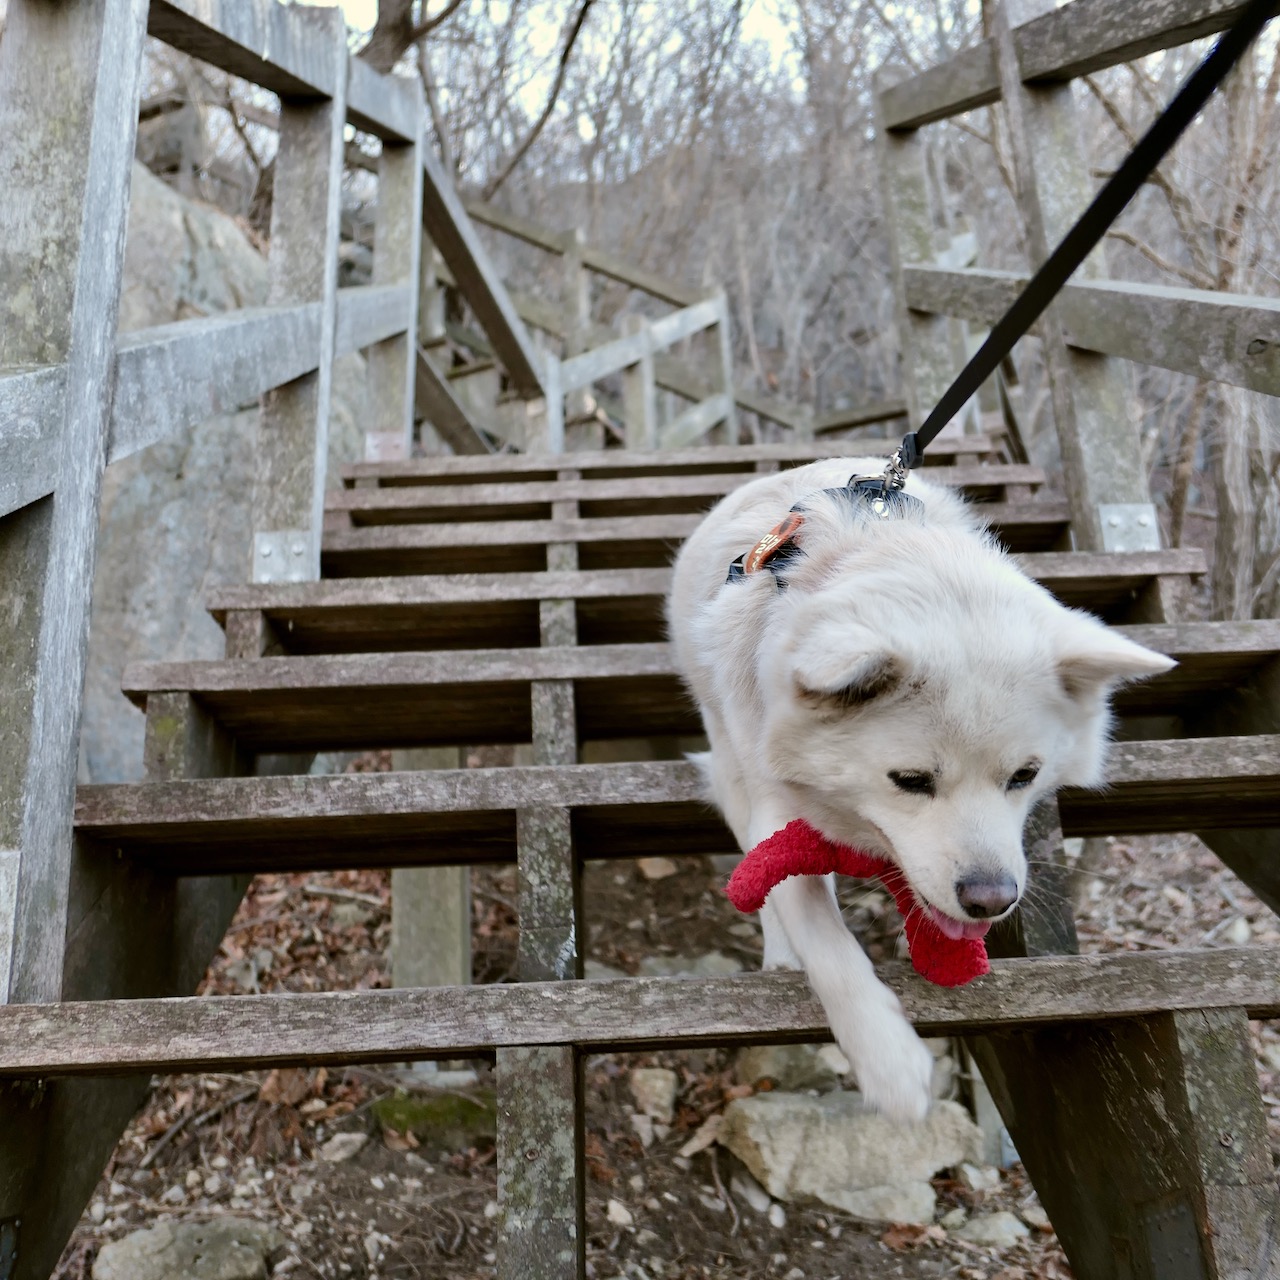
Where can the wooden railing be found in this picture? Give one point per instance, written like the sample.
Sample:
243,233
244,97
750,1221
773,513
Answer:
1035,51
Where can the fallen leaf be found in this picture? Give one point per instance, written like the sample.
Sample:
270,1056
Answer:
400,1141
901,1236
707,1133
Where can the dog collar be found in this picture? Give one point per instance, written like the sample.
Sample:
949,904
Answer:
778,547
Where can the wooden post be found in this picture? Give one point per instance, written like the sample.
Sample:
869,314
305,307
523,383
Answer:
1092,395
293,434
913,238
639,397
65,160
579,433
540,1180
430,906
722,336
397,246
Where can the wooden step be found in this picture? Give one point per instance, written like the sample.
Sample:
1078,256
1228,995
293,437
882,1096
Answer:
626,496
608,542
221,1033
615,606
613,463
624,810
357,701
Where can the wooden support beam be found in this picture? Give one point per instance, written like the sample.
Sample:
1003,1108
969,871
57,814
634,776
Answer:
450,229
387,106
697,420
65,163
370,314
1101,458
436,401
293,435
623,1015
32,411
1221,336
1075,40
261,41
619,811
392,362
905,190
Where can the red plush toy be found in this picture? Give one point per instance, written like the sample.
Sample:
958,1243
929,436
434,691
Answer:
801,850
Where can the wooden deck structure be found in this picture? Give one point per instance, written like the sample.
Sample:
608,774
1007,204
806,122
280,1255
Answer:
515,597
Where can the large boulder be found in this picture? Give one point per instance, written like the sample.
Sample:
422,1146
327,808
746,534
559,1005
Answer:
834,1150
223,1249
175,517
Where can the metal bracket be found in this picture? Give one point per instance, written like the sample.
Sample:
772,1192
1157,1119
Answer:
1129,526
8,1248
284,555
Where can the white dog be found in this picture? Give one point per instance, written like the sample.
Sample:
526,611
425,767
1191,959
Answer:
900,685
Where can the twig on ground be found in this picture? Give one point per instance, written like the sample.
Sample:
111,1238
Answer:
193,1121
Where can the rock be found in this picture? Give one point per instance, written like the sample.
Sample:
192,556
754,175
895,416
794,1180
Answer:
596,970
777,1216
98,1211
979,1177
643,1125
445,1121
944,1080
954,1218
619,1214
713,965
1034,1216
996,1230
1238,932
744,1185
175,517
834,1150
342,1146
223,1249
654,1090
790,1066
656,868
345,915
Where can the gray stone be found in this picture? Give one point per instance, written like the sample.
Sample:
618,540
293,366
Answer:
224,1249
745,1186
713,965
996,1230
654,1090
175,517
834,1150
790,1066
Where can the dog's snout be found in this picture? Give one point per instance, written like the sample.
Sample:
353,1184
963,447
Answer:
982,898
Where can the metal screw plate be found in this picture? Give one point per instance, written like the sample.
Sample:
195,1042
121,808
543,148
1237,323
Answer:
284,555
1129,526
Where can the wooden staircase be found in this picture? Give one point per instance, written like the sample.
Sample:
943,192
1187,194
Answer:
417,653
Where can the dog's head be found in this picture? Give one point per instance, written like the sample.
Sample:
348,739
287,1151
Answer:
922,699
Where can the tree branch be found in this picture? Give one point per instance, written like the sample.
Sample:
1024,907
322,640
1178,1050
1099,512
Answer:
516,156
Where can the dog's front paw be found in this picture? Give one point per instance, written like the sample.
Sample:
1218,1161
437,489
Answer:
893,1068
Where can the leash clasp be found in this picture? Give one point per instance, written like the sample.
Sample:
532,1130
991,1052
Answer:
906,457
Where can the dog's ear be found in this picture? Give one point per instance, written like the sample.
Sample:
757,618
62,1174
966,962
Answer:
1093,658
844,671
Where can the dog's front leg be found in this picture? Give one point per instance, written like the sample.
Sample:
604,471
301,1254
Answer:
891,1063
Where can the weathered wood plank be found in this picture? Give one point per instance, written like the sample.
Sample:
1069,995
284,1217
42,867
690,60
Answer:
516,546
528,499
582,370
214,1033
387,106
620,462
178,374
697,420
1226,337
31,414
885,411
371,313
620,810
1075,40
450,229
259,40
541,1192
628,690
685,323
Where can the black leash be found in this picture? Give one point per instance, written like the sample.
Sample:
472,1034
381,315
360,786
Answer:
1091,226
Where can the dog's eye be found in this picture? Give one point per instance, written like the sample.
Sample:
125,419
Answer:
1024,777
916,784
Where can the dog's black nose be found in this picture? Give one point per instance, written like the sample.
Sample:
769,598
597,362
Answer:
982,898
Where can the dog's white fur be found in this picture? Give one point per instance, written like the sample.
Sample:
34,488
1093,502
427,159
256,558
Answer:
911,645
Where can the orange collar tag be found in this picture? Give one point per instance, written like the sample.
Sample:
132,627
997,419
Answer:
772,542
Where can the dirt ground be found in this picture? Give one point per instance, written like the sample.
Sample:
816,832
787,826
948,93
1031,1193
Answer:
410,1206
